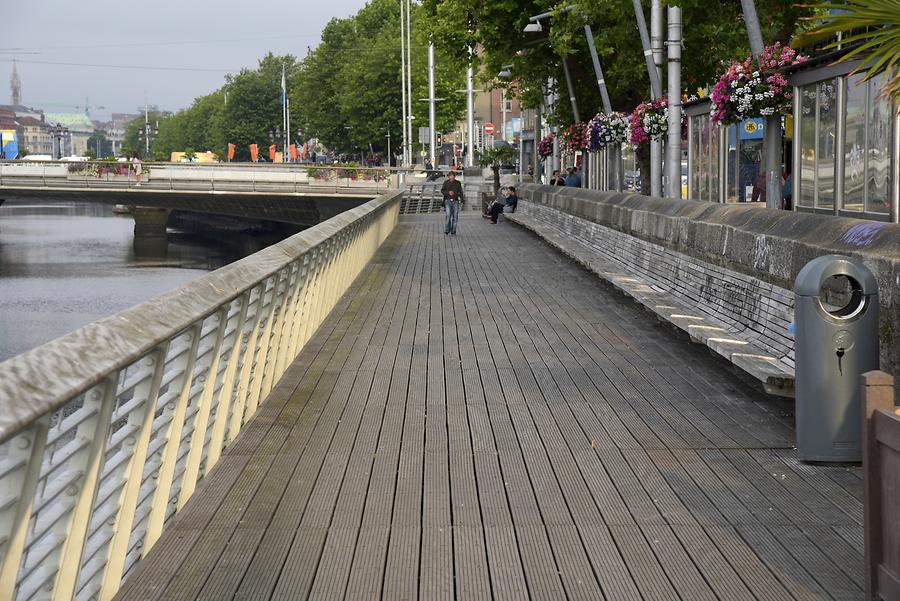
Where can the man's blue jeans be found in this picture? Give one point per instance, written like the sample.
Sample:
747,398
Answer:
451,209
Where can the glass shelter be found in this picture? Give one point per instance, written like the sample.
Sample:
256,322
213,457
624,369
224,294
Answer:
847,149
841,148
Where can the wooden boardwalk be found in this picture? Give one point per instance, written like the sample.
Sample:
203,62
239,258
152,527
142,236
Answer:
481,419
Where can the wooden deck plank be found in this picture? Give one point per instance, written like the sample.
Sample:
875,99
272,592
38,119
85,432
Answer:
463,428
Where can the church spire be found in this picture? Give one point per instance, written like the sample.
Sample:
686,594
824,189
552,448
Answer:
15,86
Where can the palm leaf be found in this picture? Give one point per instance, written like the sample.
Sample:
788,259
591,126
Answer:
871,28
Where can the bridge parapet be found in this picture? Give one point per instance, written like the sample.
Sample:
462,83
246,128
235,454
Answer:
106,432
210,177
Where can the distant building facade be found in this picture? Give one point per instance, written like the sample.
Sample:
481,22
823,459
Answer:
80,127
36,137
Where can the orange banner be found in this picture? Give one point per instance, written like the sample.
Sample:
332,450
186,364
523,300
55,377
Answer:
293,152
272,150
230,152
304,152
254,152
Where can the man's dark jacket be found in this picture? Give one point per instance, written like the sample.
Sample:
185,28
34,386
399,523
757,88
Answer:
455,186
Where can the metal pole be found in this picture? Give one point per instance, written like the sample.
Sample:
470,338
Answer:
571,91
522,169
405,142
537,138
655,86
470,113
656,44
601,82
673,141
432,132
612,157
146,129
754,32
503,114
409,111
771,123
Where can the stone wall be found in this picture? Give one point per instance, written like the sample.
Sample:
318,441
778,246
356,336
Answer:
768,244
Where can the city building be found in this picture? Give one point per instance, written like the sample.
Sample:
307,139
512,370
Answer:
35,137
80,129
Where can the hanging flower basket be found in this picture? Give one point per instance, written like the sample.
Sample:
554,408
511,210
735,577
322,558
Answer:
649,121
545,147
754,87
574,138
607,129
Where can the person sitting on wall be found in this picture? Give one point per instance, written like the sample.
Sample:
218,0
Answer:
497,206
573,180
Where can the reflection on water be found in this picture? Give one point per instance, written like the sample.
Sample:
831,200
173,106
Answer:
64,265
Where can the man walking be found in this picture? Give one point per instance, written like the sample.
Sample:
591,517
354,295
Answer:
452,192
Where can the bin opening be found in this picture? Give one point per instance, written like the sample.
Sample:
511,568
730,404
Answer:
841,296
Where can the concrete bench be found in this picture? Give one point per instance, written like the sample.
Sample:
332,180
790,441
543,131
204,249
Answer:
739,317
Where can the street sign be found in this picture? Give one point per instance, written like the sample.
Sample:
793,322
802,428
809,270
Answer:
488,128
424,135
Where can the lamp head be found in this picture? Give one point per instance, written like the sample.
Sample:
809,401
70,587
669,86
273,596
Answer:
534,27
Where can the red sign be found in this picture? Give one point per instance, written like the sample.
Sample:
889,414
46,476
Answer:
488,128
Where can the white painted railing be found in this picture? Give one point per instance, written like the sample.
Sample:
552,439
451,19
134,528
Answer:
106,432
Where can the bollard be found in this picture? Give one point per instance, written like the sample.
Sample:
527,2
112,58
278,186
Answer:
836,341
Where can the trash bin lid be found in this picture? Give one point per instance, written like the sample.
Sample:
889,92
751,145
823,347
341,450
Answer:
810,279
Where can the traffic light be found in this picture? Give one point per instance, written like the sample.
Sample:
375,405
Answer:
440,140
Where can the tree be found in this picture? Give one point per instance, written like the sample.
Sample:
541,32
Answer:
870,29
348,91
133,140
494,158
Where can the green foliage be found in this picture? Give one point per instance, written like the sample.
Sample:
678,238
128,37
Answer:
871,28
348,92
713,32
494,157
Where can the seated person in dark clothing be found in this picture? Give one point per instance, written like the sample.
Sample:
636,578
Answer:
500,204
512,201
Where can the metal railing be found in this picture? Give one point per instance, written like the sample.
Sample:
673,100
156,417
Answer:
106,432
291,178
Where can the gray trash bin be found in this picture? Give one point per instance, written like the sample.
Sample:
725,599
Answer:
835,342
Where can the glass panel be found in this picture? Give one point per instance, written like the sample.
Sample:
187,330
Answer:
702,157
753,178
825,151
696,124
807,142
855,145
878,165
731,165
712,132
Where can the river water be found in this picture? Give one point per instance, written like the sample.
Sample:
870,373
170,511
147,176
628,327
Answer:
64,265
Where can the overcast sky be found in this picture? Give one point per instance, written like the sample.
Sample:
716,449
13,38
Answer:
209,38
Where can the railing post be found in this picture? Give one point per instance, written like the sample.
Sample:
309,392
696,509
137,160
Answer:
176,407
132,473
206,375
248,354
877,394
89,461
18,490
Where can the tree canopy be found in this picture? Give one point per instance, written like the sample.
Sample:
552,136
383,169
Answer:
347,92
713,32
